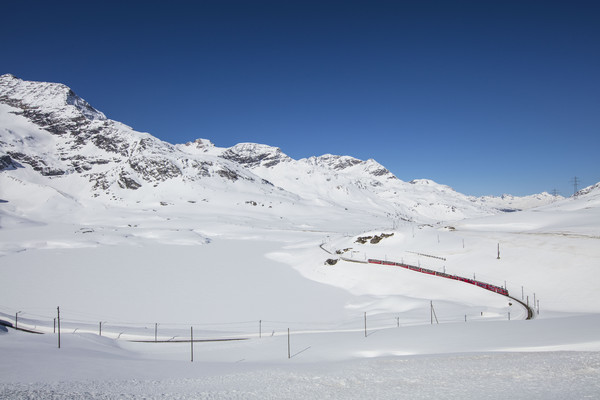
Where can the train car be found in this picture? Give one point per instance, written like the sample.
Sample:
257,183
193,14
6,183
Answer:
483,285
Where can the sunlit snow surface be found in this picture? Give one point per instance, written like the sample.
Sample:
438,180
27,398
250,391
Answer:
221,271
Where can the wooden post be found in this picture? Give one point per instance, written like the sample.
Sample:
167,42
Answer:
192,342
54,331
498,251
289,354
100,329
433,314
522,294
58,318
260,328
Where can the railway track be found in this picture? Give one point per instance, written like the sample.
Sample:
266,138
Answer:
496,289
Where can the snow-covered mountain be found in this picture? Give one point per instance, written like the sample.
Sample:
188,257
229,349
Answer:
51,138
510,203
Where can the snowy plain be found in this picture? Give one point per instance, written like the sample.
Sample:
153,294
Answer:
252,276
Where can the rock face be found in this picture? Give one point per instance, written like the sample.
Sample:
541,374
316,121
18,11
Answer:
252,155
593,189
50,136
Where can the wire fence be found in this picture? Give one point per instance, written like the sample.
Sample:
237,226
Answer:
161,332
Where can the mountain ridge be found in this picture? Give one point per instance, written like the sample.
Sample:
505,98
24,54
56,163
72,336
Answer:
52,136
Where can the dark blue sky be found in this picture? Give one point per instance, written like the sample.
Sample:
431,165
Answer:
488,97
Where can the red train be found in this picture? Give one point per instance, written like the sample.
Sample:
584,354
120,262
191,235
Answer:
487,286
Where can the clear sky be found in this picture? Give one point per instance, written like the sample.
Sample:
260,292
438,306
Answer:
488,97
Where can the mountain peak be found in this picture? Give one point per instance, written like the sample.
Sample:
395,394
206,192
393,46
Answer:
46,97
252,155
199,144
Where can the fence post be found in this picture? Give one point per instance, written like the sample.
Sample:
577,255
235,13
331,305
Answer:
58,318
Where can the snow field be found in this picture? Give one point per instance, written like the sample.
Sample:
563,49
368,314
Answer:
222,274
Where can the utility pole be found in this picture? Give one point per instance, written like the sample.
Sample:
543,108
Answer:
575,182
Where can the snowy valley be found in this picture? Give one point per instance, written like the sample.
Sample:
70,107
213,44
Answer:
144,244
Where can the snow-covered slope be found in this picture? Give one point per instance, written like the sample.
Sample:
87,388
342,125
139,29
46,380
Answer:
510,203
51,137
